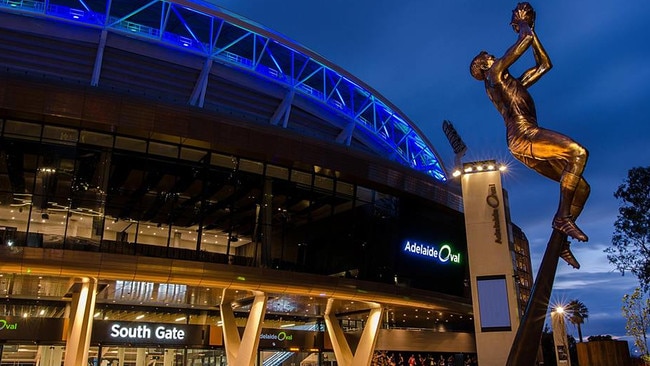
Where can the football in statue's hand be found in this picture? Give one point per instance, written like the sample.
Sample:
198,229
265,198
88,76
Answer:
524,12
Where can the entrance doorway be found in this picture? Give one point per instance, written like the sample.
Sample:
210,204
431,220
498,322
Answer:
151,356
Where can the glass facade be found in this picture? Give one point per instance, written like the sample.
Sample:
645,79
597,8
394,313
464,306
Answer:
77,189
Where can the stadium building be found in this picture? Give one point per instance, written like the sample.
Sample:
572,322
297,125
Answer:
182,186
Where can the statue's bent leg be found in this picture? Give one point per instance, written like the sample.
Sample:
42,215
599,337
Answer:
579,198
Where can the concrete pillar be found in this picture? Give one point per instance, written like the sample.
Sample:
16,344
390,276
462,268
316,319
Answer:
168,359
560,337
494,291
141,357
50,355
57,355
82,307
242,351
176,241
366,346
120,356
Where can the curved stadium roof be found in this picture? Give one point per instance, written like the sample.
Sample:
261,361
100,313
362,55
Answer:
358,114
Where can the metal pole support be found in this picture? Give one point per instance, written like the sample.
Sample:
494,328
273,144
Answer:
526,342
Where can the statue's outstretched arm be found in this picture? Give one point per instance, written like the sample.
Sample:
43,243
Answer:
542,64
524,41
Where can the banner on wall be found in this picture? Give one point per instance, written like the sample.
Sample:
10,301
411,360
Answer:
13,328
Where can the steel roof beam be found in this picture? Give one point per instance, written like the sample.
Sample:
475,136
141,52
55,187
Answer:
342,95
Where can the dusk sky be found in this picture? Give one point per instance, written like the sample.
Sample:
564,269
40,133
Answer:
417,54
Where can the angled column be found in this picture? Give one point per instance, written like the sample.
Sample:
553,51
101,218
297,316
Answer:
363,355
84,292
242,351
284,110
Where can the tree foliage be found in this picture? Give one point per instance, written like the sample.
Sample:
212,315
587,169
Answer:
630,249
577,312
636,311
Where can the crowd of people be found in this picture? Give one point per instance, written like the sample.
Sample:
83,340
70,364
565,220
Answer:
390,358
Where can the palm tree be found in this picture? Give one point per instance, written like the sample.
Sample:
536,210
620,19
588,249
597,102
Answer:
577,312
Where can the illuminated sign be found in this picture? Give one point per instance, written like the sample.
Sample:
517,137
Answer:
33,329
493,201
281,336
443,255
8,326
144,332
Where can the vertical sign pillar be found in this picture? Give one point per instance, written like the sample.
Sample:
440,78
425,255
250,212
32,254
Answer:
494,292
560,338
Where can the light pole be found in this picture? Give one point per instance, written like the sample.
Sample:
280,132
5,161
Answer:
560,337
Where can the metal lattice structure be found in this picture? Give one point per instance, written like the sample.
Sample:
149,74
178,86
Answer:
218,36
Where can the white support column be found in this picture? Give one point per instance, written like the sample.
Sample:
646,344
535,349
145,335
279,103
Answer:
363,355
120,356
50,355
168,359
141,357
198,94
345,136
57,355
283,110
99,58
560,338
80,322
341,347
242,351
494,291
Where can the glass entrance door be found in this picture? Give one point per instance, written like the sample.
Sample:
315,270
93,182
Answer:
151,356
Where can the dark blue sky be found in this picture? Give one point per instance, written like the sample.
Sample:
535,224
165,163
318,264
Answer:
417,53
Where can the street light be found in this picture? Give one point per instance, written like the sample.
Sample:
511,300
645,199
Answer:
560,336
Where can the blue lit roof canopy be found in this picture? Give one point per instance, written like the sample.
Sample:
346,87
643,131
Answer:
218,36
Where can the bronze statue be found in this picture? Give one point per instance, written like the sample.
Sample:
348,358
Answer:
549,153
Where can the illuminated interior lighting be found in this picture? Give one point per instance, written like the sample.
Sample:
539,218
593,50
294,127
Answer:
42,312
456,173
502,168
139,317
180,319
468,169
490,167
479,168
287,325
